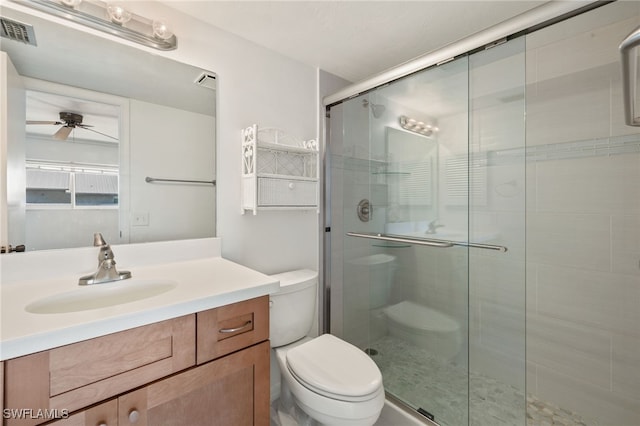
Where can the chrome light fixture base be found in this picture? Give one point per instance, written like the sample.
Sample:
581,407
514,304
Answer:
94,14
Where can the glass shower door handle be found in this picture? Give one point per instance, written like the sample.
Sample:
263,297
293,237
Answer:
425,241
629,76
401,239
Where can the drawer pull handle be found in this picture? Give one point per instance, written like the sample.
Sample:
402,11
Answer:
233,330
134,415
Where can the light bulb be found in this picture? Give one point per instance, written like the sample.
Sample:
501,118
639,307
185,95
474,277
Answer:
71,3
118,14
161,29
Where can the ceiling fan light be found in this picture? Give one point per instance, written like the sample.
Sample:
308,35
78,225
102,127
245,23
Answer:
118,14
161,29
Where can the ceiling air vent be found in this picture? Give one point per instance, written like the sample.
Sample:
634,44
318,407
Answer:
207,80
17,31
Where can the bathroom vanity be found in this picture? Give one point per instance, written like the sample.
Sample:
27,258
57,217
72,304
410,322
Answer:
197,354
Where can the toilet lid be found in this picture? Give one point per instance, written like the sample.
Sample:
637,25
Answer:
334,368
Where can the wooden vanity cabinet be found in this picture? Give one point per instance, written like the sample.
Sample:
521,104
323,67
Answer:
78,375
105,414
233,390
1,386
149,375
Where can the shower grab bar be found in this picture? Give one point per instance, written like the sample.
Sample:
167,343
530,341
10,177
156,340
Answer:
430,242
151,180
629,72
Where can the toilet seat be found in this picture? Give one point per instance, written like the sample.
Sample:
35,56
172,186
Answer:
334,368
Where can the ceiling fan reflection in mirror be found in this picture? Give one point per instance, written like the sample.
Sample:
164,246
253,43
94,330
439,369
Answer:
68,121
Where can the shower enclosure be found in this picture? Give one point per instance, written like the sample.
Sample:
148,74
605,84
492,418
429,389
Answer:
490,265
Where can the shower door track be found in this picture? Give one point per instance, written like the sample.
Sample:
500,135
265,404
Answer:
430,242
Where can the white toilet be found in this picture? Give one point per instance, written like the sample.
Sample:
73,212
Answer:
425,327
332,381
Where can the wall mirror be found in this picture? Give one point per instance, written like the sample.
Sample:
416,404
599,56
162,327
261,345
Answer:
410,173
106,138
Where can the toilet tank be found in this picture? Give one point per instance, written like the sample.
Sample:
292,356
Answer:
292,308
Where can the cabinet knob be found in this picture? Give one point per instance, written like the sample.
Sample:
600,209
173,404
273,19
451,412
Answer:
292,185
134,415
102,424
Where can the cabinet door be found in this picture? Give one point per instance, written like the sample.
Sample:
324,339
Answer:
105,414
2,387
75,376
233,390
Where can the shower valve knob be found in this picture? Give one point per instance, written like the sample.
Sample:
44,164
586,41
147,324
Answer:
364,210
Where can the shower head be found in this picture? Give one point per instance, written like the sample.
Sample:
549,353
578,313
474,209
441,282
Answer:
376,109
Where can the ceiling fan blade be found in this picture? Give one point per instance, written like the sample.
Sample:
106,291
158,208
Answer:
83,125
43,122
63,133
95,131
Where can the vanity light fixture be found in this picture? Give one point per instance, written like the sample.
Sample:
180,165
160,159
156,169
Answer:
161,29
418,127
118,14
112,18
71,3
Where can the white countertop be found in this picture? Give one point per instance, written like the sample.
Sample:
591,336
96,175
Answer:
202,283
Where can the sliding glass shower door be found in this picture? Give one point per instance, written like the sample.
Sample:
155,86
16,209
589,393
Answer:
421,213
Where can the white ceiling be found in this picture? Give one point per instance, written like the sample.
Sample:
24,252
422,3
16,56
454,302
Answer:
353,39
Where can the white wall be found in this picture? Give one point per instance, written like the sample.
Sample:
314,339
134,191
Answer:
255,85
12,172
166,211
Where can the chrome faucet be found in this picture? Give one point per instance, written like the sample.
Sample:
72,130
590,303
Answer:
106,265
433,227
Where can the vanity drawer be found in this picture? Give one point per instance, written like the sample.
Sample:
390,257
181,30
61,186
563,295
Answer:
80,374
229,328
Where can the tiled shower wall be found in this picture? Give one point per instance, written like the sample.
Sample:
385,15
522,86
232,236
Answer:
583,220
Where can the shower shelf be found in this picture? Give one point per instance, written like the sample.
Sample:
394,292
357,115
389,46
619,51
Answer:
279,172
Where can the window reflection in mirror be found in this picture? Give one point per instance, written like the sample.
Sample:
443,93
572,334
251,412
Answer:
72,161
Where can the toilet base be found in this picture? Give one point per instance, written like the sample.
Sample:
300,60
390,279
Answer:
285,412
291,407
425,327
343,413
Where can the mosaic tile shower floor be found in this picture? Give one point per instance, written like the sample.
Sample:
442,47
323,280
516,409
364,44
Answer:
444,386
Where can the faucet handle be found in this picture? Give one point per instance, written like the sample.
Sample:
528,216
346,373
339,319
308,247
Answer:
98,241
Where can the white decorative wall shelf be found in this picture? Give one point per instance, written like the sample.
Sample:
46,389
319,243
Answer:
279,172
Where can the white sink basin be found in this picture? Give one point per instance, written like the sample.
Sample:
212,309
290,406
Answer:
97,296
